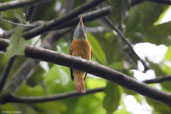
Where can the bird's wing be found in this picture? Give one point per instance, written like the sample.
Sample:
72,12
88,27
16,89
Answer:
72,77
91,59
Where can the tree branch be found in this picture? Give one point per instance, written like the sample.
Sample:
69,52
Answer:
17,4
59,21
24,99
6,73
158,80
95,69
121,35
135,2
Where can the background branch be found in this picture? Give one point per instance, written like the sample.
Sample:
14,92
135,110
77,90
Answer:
18,24
121,35
17,4
6,73
135,2
87,17
23,99
61,20
95,69
158,80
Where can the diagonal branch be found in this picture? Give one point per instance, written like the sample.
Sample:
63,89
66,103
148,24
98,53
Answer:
24,99
121,35
59,21
6,73
167,2
158,80
95,69
95,14
20,3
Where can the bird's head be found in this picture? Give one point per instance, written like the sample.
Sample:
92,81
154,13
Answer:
80,31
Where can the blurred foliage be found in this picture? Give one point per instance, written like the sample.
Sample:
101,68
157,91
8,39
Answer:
140,23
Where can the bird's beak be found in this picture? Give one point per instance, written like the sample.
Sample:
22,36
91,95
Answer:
81,21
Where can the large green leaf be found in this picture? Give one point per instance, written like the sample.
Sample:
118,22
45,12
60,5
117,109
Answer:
163,28
16,46
141,17
112,99
97,50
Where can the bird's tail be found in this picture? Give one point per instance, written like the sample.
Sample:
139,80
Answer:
79,86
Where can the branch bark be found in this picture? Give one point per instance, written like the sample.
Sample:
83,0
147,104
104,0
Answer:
158,80
17,4
167,2
6,72
95,69
24,99
61,20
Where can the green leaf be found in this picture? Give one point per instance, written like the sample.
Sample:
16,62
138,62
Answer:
112,99
97,50
168,54
163,28
16,46
141,17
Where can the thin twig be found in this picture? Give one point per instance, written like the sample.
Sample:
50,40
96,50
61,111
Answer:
27,99
6,73
18,24
20,3
61,20
158,80
93,68
121,35
167,2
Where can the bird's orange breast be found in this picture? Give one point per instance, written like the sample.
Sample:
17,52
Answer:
81,48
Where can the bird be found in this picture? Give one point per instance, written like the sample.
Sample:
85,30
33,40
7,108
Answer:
80,47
